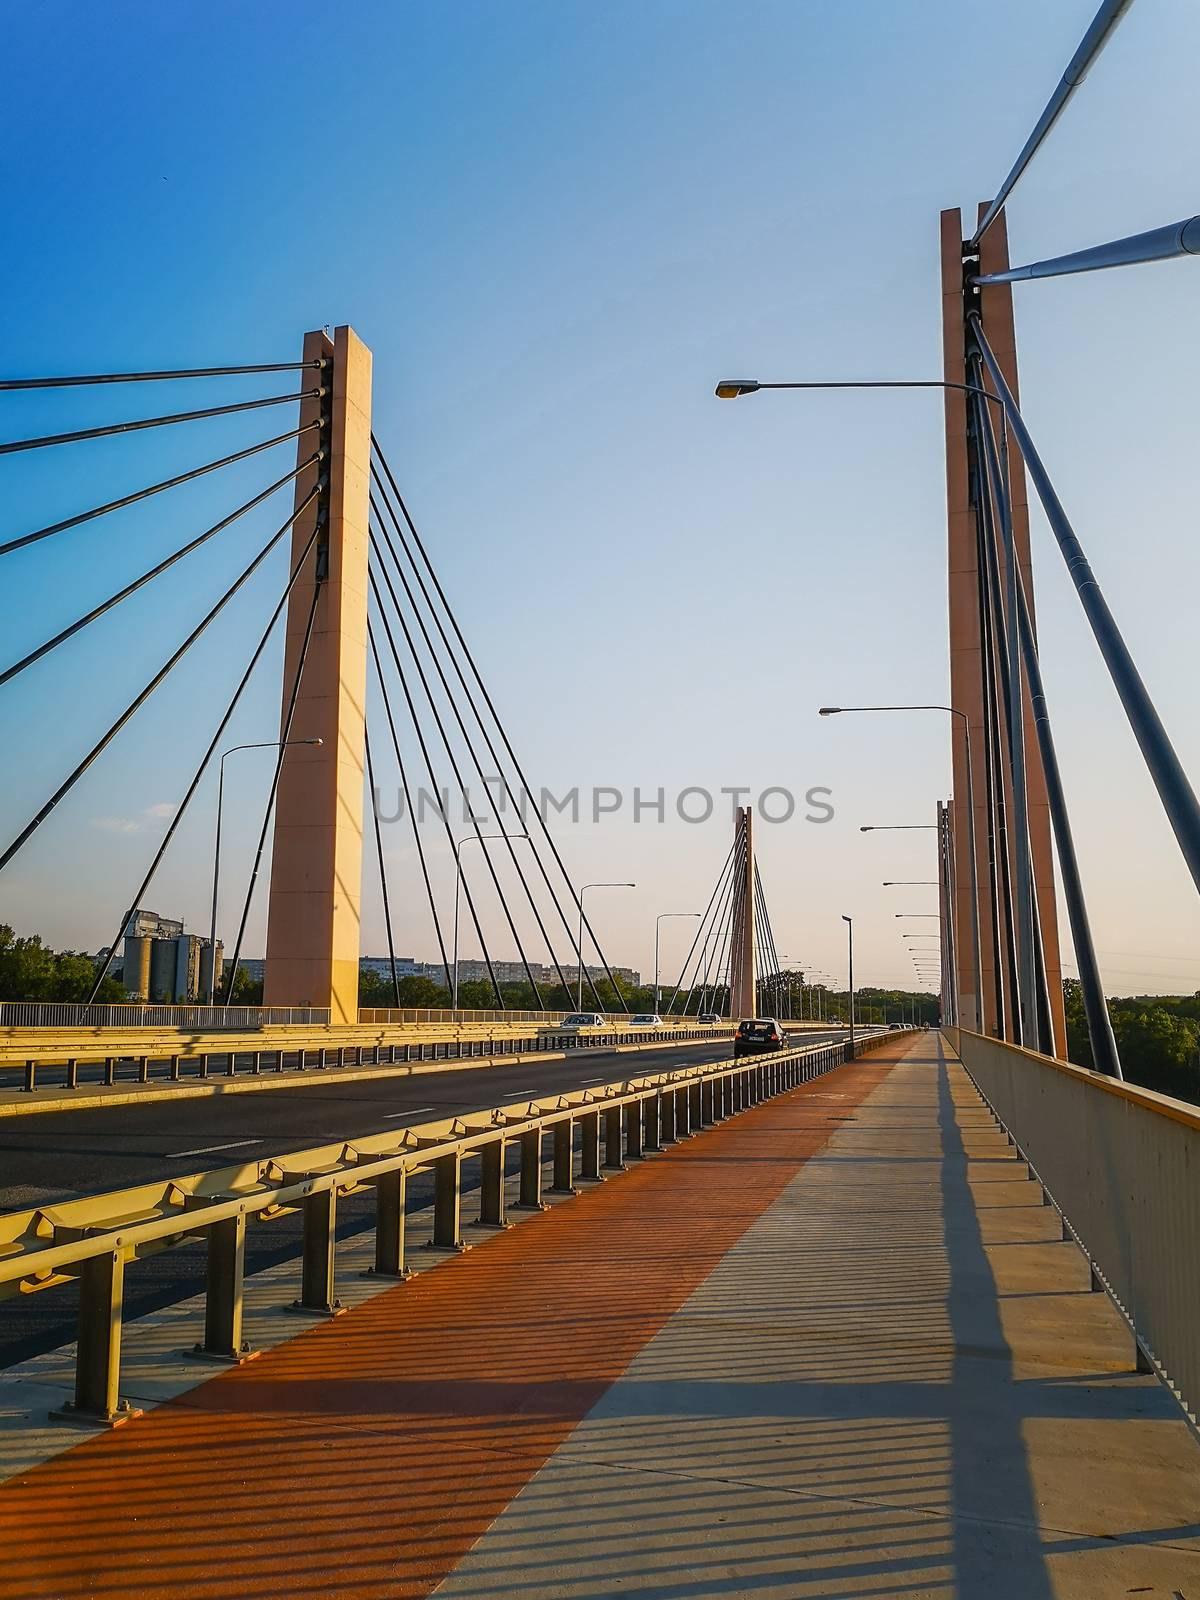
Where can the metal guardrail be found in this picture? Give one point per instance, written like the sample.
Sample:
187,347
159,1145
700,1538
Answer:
1119,1163
64,1014
92,1239
126,1062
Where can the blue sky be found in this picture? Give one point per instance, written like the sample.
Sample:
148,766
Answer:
557,225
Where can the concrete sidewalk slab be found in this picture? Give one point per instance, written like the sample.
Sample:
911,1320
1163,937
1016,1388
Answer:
365,1457
897,1382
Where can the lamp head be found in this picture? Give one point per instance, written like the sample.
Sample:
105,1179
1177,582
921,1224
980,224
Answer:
731,388
828,711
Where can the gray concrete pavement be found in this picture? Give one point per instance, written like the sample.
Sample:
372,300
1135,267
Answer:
896,1383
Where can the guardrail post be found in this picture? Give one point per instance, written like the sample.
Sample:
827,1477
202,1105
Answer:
666,1117
613,1159
316,1270
652,1121
633,1130
447,1201
491,1184
564,1157
225,1276
705,1118
589,1147
72,1073
30,1076
531,1171
695,1107
98,1353
390,1196
110,1071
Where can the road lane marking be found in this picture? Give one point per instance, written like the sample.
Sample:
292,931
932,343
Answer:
207,1149
392,1115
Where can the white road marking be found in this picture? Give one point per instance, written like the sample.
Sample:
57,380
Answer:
207,1149
416,1112
591,1080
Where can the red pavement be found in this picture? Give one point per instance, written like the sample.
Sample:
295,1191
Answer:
364,1458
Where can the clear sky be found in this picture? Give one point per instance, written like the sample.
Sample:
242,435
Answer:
557,225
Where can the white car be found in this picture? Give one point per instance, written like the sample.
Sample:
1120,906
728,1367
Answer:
579,1020
646,1019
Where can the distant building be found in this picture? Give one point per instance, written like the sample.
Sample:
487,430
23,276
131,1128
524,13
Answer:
163,964
381,966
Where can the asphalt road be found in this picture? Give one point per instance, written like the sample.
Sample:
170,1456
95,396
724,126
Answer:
58,1155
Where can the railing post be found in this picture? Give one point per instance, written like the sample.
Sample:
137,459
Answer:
491,1184
110,1071
316,1269
72,1073
652,1121
705,1118
666,1117
695,1107
531,1171
613,1158
98,1353
564,1153
447,1203
633,1130
225,1275
30,1076
390,1197
589,1143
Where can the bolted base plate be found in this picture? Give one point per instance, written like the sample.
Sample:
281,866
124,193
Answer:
70,1413
224,1358
335,1310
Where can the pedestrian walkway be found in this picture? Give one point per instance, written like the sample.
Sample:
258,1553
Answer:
834,1347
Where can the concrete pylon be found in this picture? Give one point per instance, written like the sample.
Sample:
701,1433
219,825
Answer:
743,987
966,658
316,861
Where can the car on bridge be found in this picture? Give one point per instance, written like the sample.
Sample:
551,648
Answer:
758,1034
709,1016
579,1020
646,1019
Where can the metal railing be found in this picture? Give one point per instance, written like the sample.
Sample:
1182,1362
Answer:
64,1014
171,1059
1119,1163
91,1240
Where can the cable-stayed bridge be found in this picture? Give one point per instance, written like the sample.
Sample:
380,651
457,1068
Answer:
848,1312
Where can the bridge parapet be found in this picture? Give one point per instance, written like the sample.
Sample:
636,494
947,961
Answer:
1120,1163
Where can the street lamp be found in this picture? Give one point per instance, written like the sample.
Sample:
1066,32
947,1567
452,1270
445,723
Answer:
898,827
911,883
849,921
478,838
734,388
267,744
658,921
582,892
976,946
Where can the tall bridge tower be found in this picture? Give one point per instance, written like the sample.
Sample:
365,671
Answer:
975,684
316,863
743,985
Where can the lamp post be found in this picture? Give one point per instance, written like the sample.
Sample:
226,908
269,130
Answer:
849,921
582,892
478,838
266,744
658,922
976,949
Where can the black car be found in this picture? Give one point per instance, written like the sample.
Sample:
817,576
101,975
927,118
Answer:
757,1034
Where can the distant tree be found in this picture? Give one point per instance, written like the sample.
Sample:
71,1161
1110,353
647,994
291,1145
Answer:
30,970
246,991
